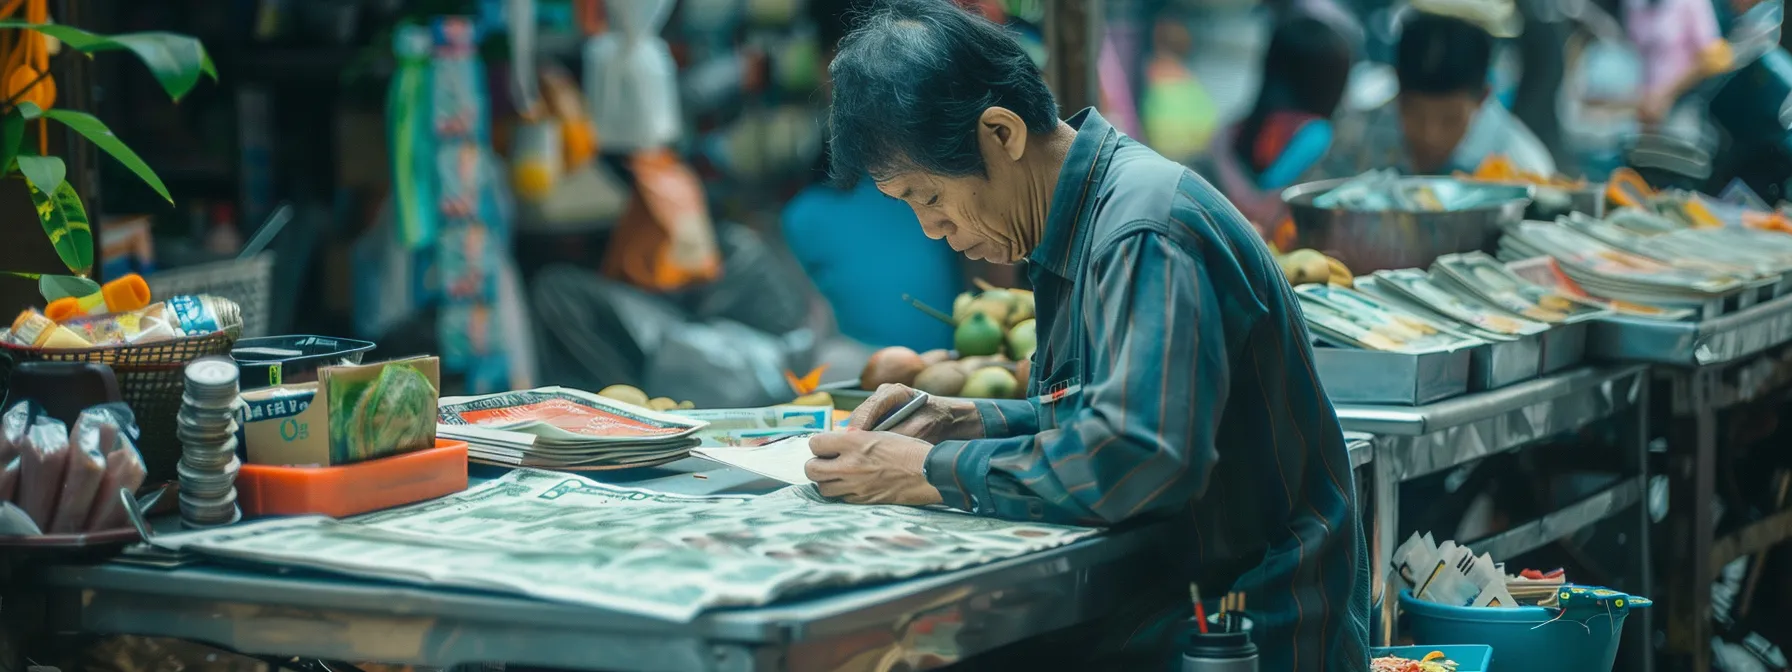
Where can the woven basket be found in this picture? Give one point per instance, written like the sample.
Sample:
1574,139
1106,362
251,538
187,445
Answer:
151,377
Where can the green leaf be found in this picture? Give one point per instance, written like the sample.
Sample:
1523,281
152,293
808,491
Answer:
102,137
22,274
65,222
12,132
177,61
47,173
54,287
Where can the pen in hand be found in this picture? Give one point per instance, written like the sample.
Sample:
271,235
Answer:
902,414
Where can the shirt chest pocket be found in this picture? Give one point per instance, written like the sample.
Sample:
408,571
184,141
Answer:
1058,394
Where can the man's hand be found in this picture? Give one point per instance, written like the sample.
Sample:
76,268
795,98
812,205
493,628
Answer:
941,419
871,468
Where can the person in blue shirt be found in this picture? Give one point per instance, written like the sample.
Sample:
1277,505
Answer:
865,250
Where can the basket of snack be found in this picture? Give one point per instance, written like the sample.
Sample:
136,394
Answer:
148,348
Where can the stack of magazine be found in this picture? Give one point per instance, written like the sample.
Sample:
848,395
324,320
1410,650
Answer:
1346,318
565,429
1485,278
1483,320
1612,272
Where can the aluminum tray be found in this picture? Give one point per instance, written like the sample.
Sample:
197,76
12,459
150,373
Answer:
1492,366
1353,376
1712,341
1564,346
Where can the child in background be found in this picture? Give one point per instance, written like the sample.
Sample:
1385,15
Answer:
1288,131
1443,120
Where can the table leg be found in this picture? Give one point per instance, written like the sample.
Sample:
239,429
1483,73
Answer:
1634,437
1385,483
1693,490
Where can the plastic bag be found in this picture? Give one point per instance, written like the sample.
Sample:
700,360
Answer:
631,79
9,479
597,332
44,460
95,432
124,468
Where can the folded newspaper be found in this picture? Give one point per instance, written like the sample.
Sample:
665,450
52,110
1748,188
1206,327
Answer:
562,428
1454,575
564,538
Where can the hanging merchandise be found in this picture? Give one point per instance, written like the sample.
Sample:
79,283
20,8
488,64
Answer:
411,133
535,161
474,229
631,79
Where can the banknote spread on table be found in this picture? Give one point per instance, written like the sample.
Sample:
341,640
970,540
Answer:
565,538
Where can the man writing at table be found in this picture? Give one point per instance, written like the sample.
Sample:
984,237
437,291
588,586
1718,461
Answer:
1173,379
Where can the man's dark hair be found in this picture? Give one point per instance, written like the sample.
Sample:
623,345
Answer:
911,83
1440,55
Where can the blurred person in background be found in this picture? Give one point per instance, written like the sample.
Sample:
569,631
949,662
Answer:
1681,46
865,250
1443,120
1305,71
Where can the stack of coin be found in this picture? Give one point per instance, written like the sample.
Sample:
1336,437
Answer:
208,463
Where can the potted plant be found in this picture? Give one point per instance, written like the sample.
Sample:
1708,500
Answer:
176,61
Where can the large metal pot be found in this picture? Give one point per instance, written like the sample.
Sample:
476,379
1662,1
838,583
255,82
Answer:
1388,239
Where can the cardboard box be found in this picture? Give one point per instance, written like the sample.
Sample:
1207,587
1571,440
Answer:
351,414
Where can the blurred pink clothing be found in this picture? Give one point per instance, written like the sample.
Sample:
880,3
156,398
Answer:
1669,36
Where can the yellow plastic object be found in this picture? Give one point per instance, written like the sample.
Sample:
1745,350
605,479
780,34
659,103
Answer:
1627,189
125,294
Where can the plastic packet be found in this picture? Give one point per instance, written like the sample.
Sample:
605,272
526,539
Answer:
94,431
123,469
12,432
9,479
44,461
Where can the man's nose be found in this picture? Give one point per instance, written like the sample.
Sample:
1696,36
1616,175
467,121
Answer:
937,229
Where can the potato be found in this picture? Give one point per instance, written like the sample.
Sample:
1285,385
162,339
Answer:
944,379
896,364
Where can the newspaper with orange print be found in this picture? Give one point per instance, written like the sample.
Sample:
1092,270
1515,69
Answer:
564,428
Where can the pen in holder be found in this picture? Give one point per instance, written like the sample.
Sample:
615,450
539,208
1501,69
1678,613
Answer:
1221,642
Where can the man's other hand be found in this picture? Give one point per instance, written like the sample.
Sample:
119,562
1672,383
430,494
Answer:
941,419
871,468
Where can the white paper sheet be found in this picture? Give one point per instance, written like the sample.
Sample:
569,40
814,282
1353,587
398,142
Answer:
779,460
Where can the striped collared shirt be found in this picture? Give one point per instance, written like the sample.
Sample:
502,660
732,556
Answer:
1174,380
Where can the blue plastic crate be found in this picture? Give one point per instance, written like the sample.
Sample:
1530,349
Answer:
1468,657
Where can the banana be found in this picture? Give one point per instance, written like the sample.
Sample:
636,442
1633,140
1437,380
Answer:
1338,274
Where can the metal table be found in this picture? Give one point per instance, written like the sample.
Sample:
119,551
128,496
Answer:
912,624
1415,441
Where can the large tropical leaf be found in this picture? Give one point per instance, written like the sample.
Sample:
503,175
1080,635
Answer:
54,287
96,132
65,222
44,172
177,61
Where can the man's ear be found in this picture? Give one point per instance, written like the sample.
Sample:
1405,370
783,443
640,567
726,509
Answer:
1002,130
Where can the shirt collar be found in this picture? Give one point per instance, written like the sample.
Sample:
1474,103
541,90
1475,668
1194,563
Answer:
1058,249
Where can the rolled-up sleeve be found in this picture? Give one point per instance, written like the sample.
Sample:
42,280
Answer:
1154,385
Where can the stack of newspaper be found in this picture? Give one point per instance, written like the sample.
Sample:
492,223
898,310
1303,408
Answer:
568,539
561,428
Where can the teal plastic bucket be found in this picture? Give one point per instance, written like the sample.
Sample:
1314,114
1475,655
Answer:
1529,639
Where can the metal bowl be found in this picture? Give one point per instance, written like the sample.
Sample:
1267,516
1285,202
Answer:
1368,240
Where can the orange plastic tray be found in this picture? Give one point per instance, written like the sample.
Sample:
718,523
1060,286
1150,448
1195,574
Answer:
264,490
